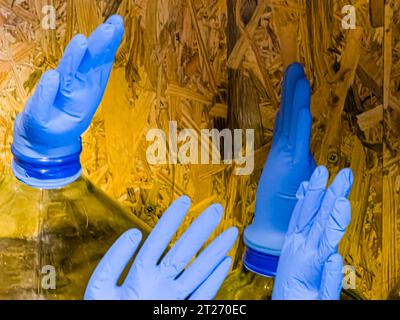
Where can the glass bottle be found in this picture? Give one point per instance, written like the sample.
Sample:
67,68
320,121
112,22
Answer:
254,278
52,239
243,284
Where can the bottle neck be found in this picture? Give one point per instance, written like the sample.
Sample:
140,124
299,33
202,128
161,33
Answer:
46,173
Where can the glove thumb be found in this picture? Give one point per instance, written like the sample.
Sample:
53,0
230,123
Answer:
109,270
332,277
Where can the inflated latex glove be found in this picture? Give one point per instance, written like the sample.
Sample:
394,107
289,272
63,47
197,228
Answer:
171,278
47,134
310,266
289,163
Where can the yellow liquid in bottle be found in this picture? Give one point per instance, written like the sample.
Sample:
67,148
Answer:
51,240
242,284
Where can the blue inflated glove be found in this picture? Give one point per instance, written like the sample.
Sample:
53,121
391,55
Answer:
171,278
310,266
289,163
47,134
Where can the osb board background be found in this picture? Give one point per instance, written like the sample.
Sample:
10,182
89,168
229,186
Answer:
179,62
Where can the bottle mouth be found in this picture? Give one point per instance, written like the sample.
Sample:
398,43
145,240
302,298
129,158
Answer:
260,263
46,173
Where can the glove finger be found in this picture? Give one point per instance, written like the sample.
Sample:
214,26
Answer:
38,107
163,232
114,262
71,60
313,199
191,241
99,43
302,137
118,22
210,287
332,278
301,193
340,187
335,228
300,127
293,73
206,262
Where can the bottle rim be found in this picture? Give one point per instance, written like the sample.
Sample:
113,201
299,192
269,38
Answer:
260,263
46,172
